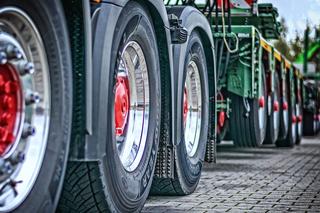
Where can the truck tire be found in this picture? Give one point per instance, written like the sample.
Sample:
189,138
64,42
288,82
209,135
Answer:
290,140
273,111
309,123
36,104
248,129
120,180
190,152
284,111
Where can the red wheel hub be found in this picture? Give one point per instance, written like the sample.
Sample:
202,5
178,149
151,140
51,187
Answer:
185,106
285,106
10,106
222,114
299,118
121,104
294,119
276,106
261,102
222,118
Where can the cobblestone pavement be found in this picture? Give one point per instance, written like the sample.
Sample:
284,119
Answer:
254,180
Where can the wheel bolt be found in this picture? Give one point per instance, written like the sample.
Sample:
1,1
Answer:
32,98
28,131
21,157
25,68
8,167
3,58
13,52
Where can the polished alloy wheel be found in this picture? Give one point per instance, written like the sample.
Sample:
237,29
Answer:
24,108
192,108
131,108
262,110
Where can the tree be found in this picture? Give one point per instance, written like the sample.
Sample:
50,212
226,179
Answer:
296,46
282,44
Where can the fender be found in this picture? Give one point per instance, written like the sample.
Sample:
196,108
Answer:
104,25
188,15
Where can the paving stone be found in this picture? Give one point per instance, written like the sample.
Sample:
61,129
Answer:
253,180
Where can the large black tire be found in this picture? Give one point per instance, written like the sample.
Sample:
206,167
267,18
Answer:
273,123
290,140
48,18
309,123
284,114
245,129
188,166
107,185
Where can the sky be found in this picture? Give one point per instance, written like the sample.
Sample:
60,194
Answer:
297,13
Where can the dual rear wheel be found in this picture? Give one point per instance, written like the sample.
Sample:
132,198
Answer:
248,120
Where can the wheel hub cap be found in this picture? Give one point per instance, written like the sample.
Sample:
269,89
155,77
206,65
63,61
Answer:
122,104
261,102
276,106
10,106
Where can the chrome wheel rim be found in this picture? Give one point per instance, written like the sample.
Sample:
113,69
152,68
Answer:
293,131
132,127
22,47
192,103
262,110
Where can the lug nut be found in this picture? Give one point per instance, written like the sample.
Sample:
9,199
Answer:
17,158
13,52
25,68
28,131
32,98
3,58
20,157
8,167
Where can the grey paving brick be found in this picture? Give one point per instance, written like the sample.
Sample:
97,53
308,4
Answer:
260,180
